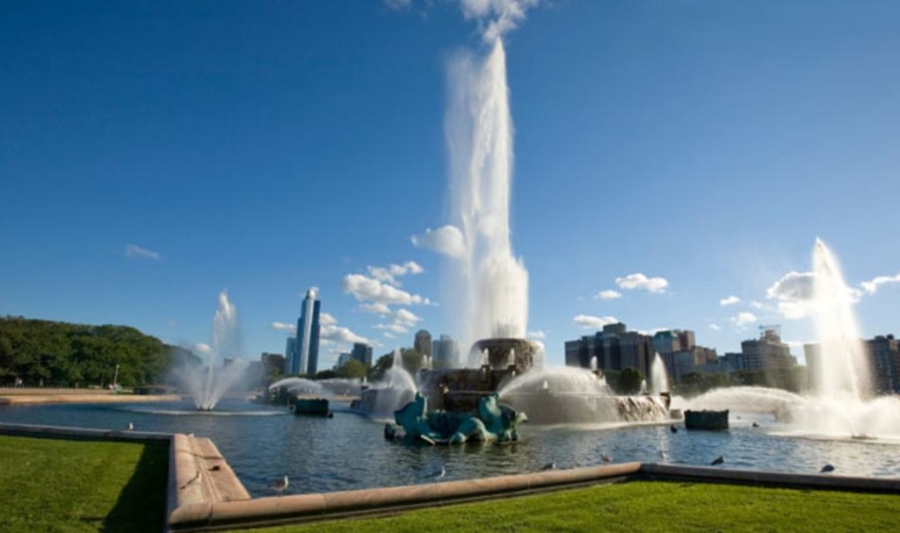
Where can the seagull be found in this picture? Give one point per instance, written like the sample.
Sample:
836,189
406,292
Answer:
439,473
673,429
663,455
130,426
280,485
718,460
754,425
827,468
549,466
606,458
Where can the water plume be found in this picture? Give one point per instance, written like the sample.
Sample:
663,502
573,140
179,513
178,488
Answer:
491,290
211,381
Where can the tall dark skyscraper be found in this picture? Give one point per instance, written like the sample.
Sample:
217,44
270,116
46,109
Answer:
305,356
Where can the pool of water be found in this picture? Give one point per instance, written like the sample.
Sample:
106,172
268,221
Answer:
264,443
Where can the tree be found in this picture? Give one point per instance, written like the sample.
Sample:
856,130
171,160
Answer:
630,381
353,369
412,359
381,365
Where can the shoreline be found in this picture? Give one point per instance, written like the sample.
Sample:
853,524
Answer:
33,397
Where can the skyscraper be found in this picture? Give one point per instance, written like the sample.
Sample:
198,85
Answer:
305,356
422,343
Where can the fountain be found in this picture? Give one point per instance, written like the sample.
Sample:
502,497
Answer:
841,402
659,380
207,384
394,390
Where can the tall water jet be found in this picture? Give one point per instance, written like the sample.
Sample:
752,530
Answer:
842,370
208,384
491,294
659,380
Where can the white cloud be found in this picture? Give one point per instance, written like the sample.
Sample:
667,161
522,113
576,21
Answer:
744,318
793,286
281,326
389,335
366,289
871,287
390,273
378,309
536,335
398,5
594,322
608,295
640,281
202,347
757,305
133,251
395,327
447,240
731,300
327,319
406,317
337,333
715,327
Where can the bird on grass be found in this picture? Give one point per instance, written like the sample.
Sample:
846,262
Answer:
718,460
605,458
673,429
548,466
828,468
280,486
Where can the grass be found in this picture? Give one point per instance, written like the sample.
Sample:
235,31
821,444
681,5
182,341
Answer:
64,485
644,506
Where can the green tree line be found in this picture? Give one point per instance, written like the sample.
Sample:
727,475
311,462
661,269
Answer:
60,354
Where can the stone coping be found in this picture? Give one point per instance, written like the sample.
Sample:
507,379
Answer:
204,493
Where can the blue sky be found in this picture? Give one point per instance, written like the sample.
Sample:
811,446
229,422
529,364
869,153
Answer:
266,147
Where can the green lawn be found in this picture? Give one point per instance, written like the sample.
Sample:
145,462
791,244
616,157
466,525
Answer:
645,506
64,485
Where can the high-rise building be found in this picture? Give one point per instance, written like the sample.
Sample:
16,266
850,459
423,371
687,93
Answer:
304,357
422,343
445,352
767,353
884,352
289,354
343,359
362,352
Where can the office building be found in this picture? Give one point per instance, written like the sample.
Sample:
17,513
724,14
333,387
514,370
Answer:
304,358
362,352
422,343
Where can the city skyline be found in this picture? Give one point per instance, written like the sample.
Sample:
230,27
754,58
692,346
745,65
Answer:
659,181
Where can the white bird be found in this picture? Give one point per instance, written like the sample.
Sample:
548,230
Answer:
439,473
280,485
549,466
130,426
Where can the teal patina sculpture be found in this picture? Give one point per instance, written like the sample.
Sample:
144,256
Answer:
494,422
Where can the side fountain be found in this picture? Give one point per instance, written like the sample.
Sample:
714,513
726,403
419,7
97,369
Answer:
841,403
394,390
209,382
